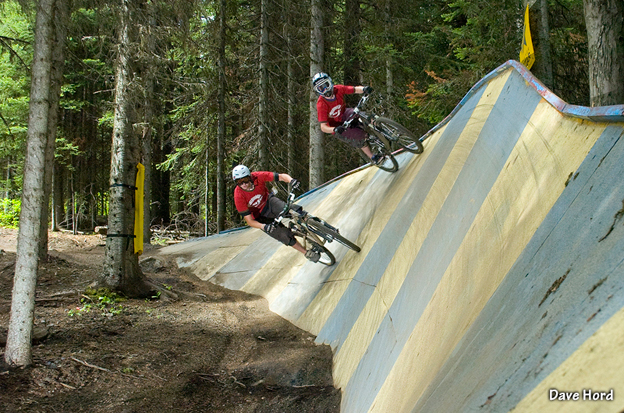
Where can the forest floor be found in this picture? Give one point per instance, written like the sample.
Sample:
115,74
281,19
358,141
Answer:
197,348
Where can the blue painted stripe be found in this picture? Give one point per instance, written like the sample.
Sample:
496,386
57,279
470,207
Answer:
498,137
304,287
358,292
516,316
247,263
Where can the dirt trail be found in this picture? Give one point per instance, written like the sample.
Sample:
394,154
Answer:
204,349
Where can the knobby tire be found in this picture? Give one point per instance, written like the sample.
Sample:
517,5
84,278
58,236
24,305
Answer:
322,228
384,166
394,165
399,134
325,253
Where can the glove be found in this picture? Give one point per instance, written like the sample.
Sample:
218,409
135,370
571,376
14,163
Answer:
339,129
294,184
368,90
268,228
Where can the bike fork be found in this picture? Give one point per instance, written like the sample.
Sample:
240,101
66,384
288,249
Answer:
326,224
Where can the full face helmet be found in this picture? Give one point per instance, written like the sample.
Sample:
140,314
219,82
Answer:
323,85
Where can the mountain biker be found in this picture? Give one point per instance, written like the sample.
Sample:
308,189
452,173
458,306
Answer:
259,207
332,112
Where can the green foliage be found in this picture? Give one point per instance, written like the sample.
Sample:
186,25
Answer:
568,41
466,41
10,212
102,300
15,60
436,51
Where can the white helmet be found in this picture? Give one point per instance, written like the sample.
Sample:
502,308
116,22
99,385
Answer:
240,171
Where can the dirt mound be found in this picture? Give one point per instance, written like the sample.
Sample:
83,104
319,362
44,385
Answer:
198,348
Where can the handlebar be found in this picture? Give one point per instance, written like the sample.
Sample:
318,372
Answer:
289,201
363,100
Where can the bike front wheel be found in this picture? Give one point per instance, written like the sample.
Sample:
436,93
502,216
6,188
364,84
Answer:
319,225
327,258
399,134
388,163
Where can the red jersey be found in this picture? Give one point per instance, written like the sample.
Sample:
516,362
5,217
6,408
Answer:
332,111
253,202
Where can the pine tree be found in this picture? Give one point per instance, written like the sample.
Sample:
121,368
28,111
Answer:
18,351
121,270
605,33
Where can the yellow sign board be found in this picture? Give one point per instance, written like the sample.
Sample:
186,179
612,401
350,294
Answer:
527,54
138,210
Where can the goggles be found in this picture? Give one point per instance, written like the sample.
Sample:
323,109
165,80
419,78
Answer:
243,181
324,86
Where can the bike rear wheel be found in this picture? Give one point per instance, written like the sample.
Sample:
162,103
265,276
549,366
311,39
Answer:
320,226
399,134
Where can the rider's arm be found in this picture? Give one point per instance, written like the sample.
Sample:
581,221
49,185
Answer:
253,223
359,89
326,128
285,178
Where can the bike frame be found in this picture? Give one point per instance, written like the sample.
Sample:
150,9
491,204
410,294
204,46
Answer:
368,122
298,224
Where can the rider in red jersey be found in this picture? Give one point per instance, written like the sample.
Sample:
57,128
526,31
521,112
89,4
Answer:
259,207
332,112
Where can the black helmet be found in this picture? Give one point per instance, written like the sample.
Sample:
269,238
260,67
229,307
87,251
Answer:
322,84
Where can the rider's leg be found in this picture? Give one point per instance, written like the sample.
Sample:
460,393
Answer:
356,137
275,206
281,233
299,247
286,237
367,151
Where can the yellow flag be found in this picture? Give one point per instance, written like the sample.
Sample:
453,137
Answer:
527,54
138,210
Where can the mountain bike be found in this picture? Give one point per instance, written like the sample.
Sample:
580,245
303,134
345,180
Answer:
384,136
313,232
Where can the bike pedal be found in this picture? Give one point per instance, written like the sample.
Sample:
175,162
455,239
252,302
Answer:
378,159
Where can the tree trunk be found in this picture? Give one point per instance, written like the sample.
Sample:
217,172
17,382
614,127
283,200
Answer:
221,127
543,58
146,145
148,124
57,196
290,87
207,198
121,269
56,80
316,65
18,351
605,38
72,189
352,67
389,75
162,180
264,87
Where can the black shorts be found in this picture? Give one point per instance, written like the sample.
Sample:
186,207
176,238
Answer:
271,210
